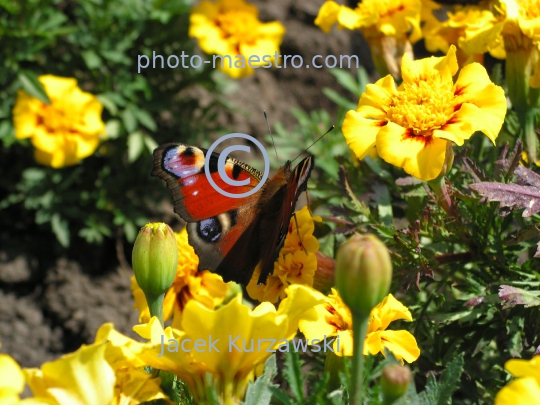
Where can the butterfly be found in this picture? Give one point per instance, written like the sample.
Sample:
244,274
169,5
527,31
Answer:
231,235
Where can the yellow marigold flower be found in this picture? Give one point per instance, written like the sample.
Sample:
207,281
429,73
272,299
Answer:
394,18
526,388
411,125
205,287
389,26
231,28
97,374
333,318
440,35
221,347
294,264
65,131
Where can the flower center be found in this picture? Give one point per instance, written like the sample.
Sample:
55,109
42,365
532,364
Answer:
238,25
423,105
54,119
529,9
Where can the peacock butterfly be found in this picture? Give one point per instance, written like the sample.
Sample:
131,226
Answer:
231,235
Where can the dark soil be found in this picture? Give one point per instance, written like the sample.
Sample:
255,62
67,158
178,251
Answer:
52,301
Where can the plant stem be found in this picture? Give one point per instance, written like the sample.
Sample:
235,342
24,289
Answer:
360,325
155,304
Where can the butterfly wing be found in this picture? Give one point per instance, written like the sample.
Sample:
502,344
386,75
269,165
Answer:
279,210
215,222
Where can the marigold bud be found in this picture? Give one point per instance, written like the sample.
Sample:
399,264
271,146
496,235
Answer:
324,276
363,273
155,258
395,381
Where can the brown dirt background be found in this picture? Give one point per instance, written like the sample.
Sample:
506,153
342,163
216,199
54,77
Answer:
50,305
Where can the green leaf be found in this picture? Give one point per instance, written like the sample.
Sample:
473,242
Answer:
30,83
449,380
259,392
129,119
92,59
60,228
339,99
146,119
293,373
150,143
112,129
108,103
135,145
130,230
346,80
384,203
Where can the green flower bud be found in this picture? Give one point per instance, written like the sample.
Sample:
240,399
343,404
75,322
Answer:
395,382
363,273
155,259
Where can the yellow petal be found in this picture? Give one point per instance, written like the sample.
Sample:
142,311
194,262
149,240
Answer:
360,133
400,342
524,368
349,18
415,70
327,16
80,378
522,391
419,157
12,377
376,96
387,311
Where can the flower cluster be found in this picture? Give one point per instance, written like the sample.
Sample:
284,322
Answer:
296,262
231,28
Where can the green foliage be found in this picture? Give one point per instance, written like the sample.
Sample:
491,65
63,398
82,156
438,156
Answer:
258,392
110,193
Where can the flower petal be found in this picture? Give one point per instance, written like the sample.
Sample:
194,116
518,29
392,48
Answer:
420,157
327,16
522,391
400,342
360,133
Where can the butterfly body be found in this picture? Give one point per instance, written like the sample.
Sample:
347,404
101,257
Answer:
231,235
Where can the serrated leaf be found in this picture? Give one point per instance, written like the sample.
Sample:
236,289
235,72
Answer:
511,195
512,296
259,392
381,196
477,174
345,186
528,176
60,228
293,374
31,85
449,381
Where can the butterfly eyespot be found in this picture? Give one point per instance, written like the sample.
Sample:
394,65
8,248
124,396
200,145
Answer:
209,230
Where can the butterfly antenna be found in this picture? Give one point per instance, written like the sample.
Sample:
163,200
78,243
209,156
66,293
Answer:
320,137
271,136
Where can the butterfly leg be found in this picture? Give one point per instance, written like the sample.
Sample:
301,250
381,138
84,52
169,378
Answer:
298,232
